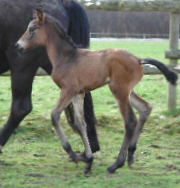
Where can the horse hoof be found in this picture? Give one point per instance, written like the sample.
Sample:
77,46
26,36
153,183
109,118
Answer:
0,149
111,170
73,157
115,166
130,161
87,171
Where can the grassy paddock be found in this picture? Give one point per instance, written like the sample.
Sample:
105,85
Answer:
33,156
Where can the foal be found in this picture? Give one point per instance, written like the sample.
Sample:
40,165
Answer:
77,71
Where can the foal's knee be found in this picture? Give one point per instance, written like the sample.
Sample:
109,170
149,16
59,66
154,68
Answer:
145,112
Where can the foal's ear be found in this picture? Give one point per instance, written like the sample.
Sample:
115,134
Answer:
38,15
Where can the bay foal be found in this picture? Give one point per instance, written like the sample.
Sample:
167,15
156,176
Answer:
77,71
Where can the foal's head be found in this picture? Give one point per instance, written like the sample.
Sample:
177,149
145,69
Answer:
35,34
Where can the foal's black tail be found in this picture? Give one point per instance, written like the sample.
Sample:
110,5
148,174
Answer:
171,76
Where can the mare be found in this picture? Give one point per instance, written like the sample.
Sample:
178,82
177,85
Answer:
14,18
77,71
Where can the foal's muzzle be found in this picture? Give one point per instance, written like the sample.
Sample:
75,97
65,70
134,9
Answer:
19,47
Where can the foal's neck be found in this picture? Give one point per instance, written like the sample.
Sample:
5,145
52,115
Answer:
59,50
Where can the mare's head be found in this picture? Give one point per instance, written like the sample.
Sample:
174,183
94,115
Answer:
35,34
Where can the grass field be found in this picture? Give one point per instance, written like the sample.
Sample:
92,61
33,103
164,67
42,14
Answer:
33,157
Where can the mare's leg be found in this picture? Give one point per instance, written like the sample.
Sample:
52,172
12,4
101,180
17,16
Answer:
63,102
21,84
4,65
90,121
78,103
122,96
144,109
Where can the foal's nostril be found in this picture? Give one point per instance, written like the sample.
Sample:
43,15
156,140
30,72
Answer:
16,45
19,47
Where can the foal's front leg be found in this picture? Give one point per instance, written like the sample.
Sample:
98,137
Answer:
63,102
87,157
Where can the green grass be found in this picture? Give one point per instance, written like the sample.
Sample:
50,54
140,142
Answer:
33,157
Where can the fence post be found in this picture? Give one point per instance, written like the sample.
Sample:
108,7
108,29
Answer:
173,36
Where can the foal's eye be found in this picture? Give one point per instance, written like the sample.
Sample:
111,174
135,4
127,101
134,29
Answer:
31,30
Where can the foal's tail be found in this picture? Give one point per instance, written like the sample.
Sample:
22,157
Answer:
171,76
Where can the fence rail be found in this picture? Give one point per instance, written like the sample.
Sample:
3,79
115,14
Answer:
129,35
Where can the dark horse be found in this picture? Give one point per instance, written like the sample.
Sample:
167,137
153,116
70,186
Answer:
14,17
118,68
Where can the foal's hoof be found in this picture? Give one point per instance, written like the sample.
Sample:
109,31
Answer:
115,166
111,170
87,171
88,161
130,160
88,166
73,157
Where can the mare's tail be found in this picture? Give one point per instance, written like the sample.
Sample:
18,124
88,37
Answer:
78,23
171,76
80,33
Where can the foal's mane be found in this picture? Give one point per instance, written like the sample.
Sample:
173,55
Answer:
56,10
62,32
55,13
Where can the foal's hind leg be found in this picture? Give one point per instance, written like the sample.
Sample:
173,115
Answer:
65,99
78,103
122,96
144,109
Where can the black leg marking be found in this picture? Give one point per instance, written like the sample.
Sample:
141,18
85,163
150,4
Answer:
70,152
88,161
131,151
130,124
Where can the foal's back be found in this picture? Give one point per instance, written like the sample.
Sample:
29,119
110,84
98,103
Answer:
93,69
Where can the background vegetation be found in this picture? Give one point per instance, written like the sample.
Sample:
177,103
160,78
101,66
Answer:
33,157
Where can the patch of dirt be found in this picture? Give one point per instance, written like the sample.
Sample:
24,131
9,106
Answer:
32,182
171,167
5,163
39,155
160,157
35,175
155,146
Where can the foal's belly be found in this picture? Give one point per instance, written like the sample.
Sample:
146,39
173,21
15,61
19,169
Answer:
92,75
